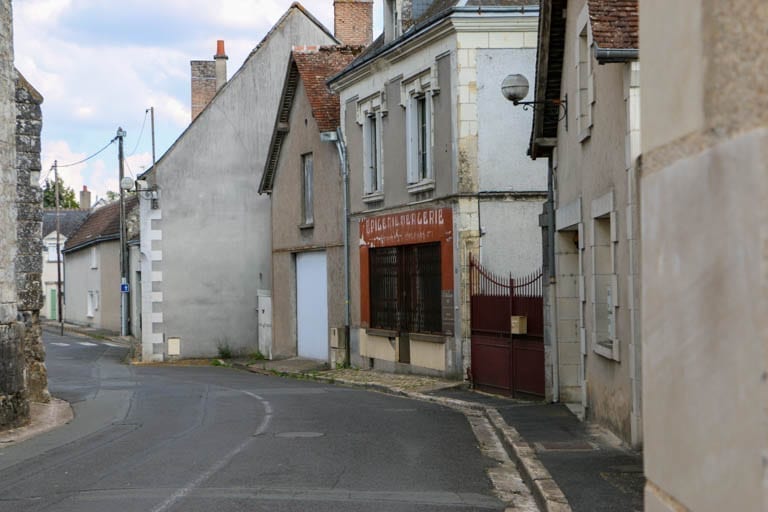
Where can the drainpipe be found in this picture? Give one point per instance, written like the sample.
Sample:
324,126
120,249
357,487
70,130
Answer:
610,55
552,288
338,139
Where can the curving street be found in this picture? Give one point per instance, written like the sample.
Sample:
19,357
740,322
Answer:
161,438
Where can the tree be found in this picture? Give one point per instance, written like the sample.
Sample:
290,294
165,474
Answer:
112,196
66,195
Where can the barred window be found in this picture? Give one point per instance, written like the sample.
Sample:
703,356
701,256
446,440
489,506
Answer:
405,288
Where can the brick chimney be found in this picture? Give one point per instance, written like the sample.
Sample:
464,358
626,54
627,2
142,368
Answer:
203,84
85,198
221,64
208,76
353,21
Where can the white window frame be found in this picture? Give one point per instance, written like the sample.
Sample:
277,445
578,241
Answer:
585,79
307,193
373,180
94,257
53,255
605,338
423,86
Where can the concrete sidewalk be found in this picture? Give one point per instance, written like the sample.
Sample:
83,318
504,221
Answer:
568,465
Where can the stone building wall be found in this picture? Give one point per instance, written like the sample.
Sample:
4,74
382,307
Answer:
14,406
29,264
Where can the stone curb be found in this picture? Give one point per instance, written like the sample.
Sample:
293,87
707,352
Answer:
548,494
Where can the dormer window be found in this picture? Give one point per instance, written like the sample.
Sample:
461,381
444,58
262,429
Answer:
392,29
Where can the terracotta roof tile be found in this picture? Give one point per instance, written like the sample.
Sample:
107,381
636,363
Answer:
102,224
315,65
614,23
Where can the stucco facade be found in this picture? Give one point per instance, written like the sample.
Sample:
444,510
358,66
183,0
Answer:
475,199
704,188
100,279
205,231
592,300
290,236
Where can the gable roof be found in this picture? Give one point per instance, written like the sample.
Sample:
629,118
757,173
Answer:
294,8
69,221
102,224
312,65
437,11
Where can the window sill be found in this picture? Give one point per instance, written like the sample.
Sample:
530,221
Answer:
307,226
585,134
421,186
385,333
428,338
374,197
608,349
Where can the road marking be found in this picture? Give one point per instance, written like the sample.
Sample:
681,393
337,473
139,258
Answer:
87,344
59,344
181,493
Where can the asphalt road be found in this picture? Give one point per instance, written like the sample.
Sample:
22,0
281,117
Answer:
216,439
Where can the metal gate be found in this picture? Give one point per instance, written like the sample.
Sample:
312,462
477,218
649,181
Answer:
503,362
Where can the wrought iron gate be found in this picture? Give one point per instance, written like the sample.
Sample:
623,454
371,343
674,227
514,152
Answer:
503,362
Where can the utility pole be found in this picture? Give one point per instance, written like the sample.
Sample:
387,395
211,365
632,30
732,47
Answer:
123,253
59,312
152,122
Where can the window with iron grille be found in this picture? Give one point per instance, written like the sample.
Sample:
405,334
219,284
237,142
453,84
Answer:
405,288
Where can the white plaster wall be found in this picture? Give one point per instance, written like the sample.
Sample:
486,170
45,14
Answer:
79,277
504,129
215,227
512,239
704,310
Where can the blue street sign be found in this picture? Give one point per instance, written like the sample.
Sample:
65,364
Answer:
124,287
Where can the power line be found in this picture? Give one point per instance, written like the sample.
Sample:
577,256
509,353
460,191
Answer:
88,158
141,132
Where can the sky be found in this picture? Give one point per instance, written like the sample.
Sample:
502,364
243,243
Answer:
100,64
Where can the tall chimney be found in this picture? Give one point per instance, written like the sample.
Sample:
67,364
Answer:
203,84
221,64
85,198
353,21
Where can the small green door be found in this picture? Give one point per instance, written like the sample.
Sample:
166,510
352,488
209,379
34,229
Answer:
54,303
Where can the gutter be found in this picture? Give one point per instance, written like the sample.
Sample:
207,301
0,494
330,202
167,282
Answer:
613,55
93,241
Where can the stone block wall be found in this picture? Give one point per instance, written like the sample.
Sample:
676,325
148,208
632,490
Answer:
14,406
29,264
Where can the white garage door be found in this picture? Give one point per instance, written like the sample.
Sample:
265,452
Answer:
312,305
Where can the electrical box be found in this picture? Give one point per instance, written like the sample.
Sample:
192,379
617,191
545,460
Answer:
338,337
519,324
174,347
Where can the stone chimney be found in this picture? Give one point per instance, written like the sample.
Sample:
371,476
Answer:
85,198
221,64
353,21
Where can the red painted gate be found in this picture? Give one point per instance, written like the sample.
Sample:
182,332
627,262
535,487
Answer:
503,362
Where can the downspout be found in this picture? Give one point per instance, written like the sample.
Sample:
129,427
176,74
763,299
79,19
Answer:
552,288
344,168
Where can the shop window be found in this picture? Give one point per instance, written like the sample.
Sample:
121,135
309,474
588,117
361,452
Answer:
405,288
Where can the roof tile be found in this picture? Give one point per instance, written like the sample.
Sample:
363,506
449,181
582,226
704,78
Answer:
103,223
614,23
315,65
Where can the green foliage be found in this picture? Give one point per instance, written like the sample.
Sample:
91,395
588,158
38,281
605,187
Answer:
257,356
225,351
112,196
66,195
